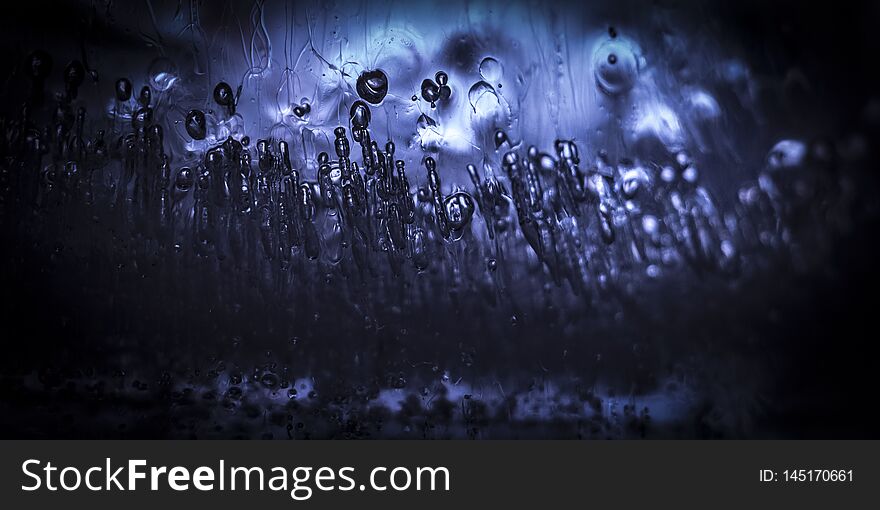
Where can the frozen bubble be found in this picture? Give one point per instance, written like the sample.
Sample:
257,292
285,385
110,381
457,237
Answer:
430,91
163,74
491,70
142,118
787,154
184,180
123,89
650,224
459,209
615,67
683,159
658,122
728,249
634,179
196,125
223,94
145,97
703,105
500,138
483,99
372,86
359,115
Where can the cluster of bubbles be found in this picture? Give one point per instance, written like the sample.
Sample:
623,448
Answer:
592,223
530,230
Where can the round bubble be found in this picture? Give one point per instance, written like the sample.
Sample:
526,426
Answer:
459,209
430,91
372,86
615,67
184,179
491,70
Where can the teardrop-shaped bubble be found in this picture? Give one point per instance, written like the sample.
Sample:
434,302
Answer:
500,138
360,115
372,86
615,67
163,74
425,122
196,125
491,70
459,209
